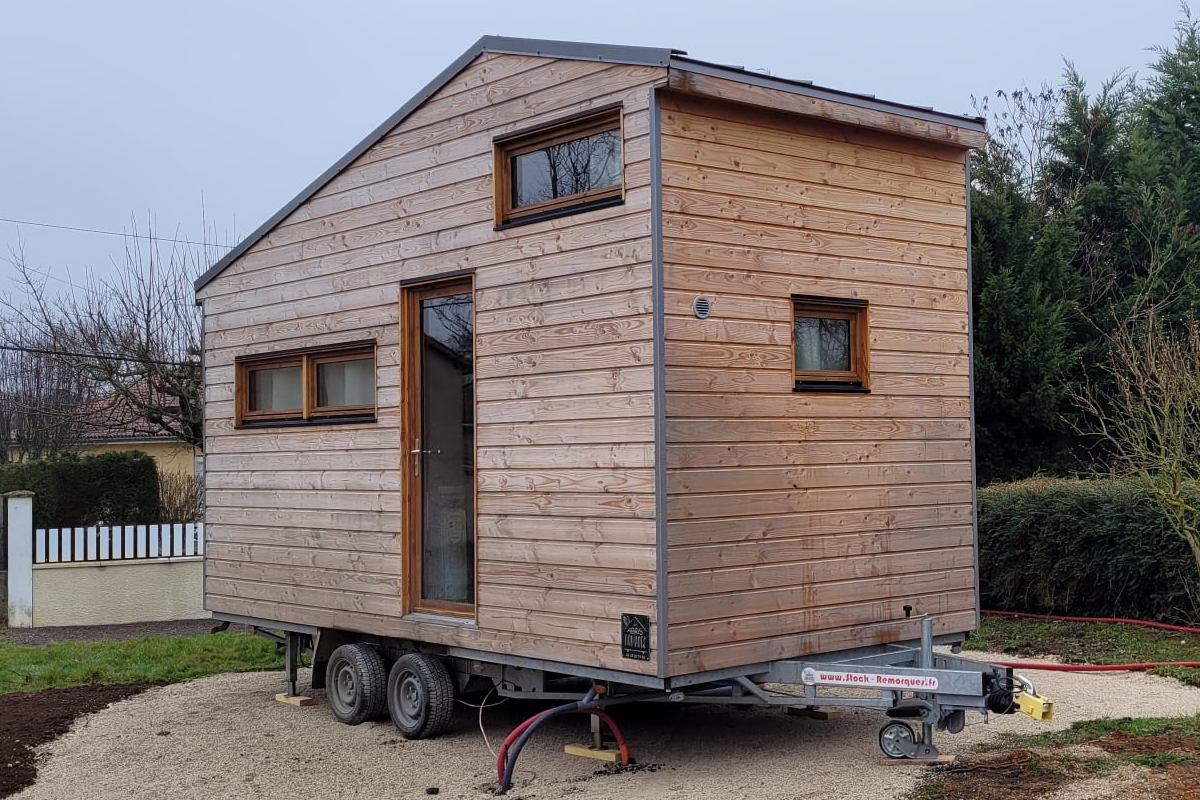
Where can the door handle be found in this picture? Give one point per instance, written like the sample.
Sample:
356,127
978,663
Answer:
417,452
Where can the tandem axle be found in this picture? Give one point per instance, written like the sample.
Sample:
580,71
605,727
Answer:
920,691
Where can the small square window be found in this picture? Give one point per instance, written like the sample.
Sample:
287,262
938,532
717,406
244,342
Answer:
829,341
307,386
570,166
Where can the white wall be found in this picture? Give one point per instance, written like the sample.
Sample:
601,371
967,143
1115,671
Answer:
115,592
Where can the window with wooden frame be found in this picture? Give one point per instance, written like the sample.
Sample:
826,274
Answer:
566,167
829,339
317,385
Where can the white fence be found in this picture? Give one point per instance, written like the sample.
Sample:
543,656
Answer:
101,575
117,543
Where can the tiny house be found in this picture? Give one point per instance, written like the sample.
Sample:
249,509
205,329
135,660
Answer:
608,362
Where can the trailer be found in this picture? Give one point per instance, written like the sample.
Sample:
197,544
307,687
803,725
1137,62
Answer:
608,373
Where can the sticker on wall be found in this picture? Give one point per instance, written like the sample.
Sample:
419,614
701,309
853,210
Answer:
635,636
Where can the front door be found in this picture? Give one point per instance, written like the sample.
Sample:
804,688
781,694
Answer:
440,442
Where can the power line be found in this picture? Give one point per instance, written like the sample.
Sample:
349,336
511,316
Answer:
44,352
114,233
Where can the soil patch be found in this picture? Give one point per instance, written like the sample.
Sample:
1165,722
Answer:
1166,766
1178,782
32,719
1015,775
1122,742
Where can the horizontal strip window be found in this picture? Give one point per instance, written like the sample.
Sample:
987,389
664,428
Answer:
315,385
830,344
566,167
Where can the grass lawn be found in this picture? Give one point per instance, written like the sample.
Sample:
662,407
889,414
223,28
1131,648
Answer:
1090,643
30,668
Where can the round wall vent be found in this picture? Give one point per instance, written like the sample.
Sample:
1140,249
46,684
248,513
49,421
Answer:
701,307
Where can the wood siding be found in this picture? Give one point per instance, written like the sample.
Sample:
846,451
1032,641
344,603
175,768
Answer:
802,522
304,522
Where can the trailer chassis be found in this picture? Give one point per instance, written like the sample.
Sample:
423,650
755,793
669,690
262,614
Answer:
919,689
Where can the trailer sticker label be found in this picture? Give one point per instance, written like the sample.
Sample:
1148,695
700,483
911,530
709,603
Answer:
635,636
869,680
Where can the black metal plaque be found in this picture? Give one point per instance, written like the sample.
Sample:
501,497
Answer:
635,636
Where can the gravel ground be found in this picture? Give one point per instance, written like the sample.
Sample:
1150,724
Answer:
225,737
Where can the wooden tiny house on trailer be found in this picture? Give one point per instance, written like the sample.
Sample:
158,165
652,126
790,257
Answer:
587,338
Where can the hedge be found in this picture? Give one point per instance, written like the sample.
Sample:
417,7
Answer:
1083,547
119,487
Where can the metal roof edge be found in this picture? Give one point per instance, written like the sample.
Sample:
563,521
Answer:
369,141
808,89
584,51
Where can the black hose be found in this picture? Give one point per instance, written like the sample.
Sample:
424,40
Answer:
511,762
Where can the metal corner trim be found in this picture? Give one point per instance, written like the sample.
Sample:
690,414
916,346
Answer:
660,385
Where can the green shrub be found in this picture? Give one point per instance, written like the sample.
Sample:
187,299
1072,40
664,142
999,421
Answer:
119,487
1082,547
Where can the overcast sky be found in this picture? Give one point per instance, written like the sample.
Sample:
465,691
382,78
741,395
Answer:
115,112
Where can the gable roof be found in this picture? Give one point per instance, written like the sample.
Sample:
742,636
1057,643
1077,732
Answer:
583,51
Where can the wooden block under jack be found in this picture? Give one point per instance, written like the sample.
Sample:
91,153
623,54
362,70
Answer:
294,699
590,752
812,712
921,762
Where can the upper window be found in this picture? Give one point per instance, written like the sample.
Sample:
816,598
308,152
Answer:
830,343
569,166
333,382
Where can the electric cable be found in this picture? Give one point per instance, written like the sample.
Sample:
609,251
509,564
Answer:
1137,667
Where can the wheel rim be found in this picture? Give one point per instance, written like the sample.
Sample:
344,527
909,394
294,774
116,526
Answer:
893,736
412,699
345,687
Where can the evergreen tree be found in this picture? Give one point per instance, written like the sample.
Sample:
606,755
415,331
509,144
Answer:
1021,260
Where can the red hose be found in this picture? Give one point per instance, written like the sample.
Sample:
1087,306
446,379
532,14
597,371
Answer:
502,754
1095,667
1162,625
512,737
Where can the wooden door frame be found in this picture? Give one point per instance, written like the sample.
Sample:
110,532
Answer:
412,521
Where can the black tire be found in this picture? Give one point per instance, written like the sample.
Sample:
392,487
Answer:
420,696
356,683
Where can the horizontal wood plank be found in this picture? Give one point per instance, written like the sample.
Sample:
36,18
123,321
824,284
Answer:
727,479
793,430
351,581
600,608
584,529
573,456
808,453
622,479
867,522
838,546
737,504
576,554
318,557
703,268
566,384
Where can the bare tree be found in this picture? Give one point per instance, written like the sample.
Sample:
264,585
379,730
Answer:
1020,126
136,334
1152,419
39,399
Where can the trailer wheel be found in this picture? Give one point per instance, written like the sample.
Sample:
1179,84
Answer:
420,696
897,740
356,683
